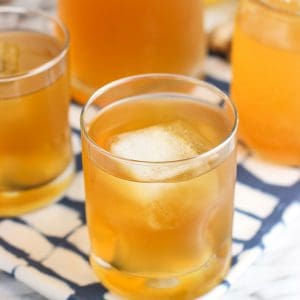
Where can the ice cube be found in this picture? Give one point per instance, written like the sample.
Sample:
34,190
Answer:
9,59
164,201
155,144
175,204
163,142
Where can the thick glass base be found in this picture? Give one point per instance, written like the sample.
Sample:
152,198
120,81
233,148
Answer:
185,286
81,92
13,203
283,154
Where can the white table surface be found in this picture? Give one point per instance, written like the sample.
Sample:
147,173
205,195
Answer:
274,276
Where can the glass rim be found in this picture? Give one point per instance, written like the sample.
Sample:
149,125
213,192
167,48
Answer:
50,63
125,80
275,8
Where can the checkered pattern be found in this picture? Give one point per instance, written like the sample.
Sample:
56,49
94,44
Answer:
48,249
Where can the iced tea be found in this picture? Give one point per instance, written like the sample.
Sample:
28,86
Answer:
34,134
159,192
117,38
266,72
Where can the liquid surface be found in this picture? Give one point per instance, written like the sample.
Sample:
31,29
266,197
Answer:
23,51
183,118
34,133
265,86
114,39
165,238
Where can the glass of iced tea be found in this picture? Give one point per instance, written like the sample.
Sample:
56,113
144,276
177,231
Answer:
266,77
35,152
159,166
111,39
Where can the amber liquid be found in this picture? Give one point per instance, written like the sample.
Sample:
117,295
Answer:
168,238
265,87
114,39
34,134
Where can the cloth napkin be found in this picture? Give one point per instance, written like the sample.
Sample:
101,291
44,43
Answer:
48,249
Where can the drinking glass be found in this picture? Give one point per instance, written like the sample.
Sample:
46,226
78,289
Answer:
159,167
114,39
266,72
35,152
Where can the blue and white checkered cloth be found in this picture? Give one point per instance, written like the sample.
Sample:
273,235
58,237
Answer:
48,249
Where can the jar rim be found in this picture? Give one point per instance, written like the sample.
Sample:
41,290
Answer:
276,8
